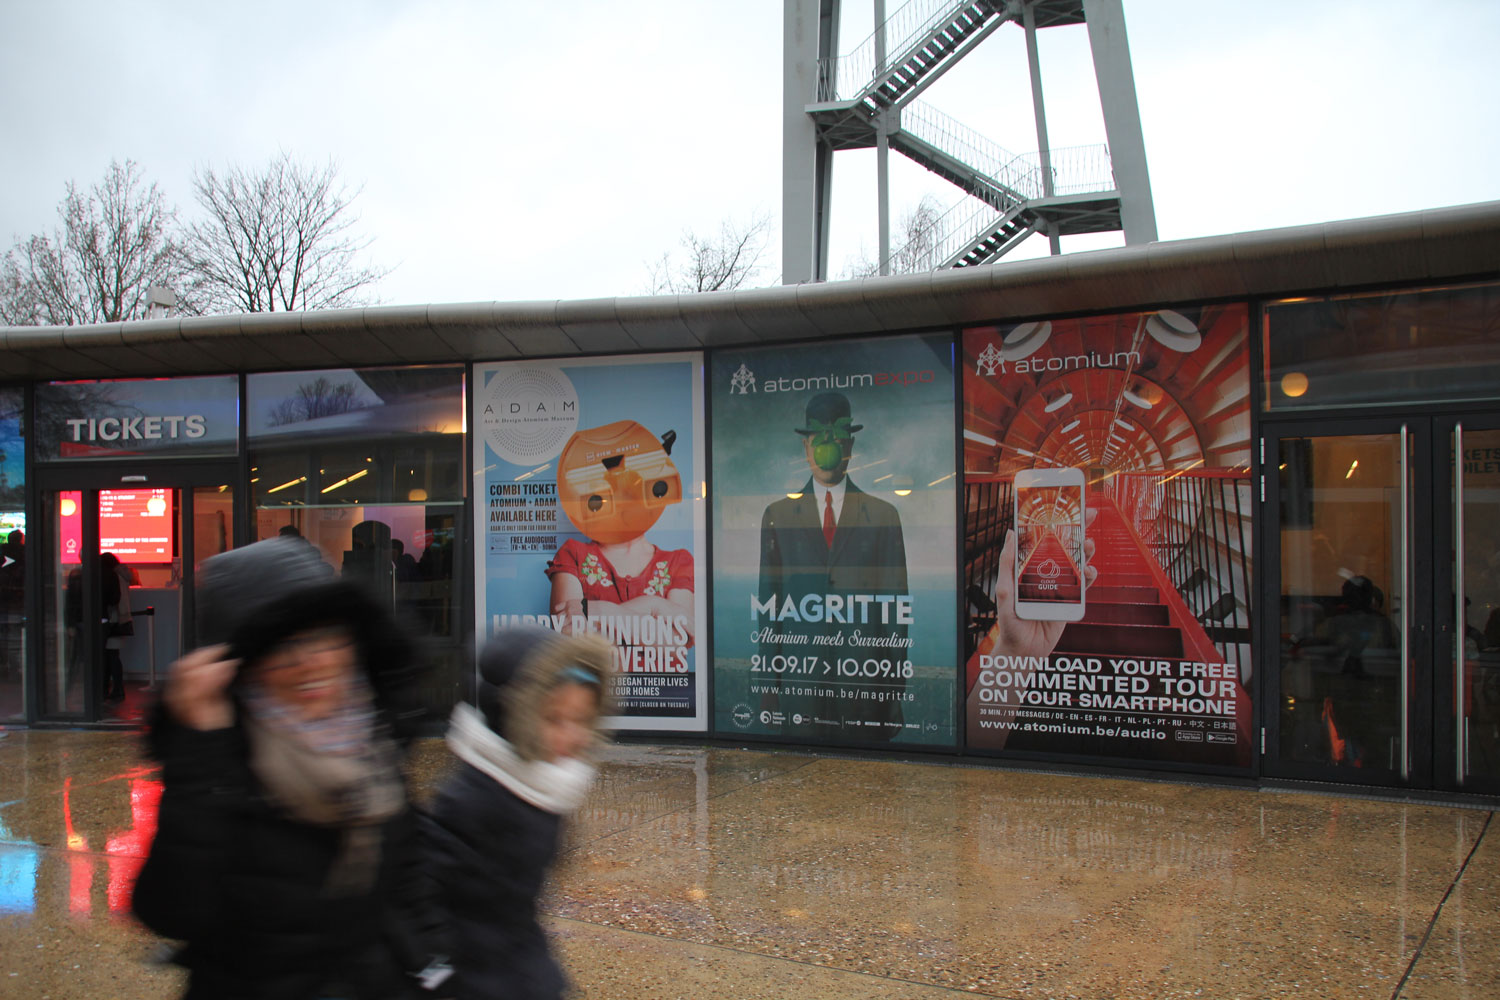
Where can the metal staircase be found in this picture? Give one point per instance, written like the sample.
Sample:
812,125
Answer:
861,98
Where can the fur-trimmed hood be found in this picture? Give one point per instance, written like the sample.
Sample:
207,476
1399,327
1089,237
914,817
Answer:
255,596
517,669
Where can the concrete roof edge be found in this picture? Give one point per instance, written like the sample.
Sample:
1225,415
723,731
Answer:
806,310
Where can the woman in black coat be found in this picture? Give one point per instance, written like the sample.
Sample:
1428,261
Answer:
285,840
492,830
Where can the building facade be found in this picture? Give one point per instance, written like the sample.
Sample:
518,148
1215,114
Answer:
1216,507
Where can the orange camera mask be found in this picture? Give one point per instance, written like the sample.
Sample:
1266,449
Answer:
614,481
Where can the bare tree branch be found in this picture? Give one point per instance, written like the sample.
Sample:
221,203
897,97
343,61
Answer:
113,245
917,241
280,238
716,263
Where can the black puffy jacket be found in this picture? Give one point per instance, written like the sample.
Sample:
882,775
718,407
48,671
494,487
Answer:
241,884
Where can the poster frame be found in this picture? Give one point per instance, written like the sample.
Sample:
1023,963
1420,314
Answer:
694,492
1254,349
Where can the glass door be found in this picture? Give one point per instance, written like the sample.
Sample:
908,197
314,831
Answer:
1386,572
1344,692
1468,656
116,603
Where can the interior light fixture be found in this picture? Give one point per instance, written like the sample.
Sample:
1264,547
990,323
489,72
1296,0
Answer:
1058,403
1352,466
1069,427
1122,422
1293,384
345,481
287,485
980,438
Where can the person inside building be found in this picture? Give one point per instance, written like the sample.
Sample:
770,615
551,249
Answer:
285,836
114,584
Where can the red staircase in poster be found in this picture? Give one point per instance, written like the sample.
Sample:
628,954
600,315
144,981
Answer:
1049,574
1129,608
1132,607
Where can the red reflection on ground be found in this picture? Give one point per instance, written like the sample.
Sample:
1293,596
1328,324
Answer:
127,849
80,862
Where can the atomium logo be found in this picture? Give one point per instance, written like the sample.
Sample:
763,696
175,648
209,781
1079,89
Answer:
988,361
742,382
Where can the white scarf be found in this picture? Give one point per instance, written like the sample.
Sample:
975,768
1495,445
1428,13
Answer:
556,788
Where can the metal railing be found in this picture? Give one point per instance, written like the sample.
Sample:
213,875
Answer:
964,224
1197,525
988,513
849,75
1015,177
1075,169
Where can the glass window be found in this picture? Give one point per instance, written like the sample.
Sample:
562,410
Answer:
367,466
356,436
1429,345
12,556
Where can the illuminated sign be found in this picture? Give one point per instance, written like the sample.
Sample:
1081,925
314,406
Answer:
139,526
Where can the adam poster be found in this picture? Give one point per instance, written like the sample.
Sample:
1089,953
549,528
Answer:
589,517
833,542
1107,510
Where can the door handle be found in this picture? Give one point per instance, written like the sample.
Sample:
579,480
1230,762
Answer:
1461,766
1406,635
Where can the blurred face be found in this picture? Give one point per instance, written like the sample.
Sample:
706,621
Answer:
568,717
310,671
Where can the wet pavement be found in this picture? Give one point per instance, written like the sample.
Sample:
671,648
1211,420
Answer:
747,874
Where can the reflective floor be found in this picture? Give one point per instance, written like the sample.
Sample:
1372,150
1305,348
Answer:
747,874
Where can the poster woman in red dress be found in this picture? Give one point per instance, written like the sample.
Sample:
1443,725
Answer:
615,481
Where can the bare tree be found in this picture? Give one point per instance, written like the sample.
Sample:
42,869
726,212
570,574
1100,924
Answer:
321,397
113,243
278,238
713,263
917,243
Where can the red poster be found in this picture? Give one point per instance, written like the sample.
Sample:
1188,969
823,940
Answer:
1107,542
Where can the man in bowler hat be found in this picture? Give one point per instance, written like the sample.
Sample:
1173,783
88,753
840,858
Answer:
834,539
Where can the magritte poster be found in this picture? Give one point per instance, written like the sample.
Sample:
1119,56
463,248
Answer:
1107,544
833,542
589,517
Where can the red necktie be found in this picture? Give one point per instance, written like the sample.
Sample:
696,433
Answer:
828,519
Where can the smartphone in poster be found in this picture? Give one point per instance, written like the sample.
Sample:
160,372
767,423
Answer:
589,516
833,555
1108,507
1049,519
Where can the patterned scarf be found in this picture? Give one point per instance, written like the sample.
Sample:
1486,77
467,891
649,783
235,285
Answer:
336,772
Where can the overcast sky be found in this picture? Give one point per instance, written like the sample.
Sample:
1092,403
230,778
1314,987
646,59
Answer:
522,150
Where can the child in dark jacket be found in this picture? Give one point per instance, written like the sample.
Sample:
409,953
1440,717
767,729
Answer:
491,833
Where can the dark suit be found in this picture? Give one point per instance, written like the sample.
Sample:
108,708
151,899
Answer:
868,556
